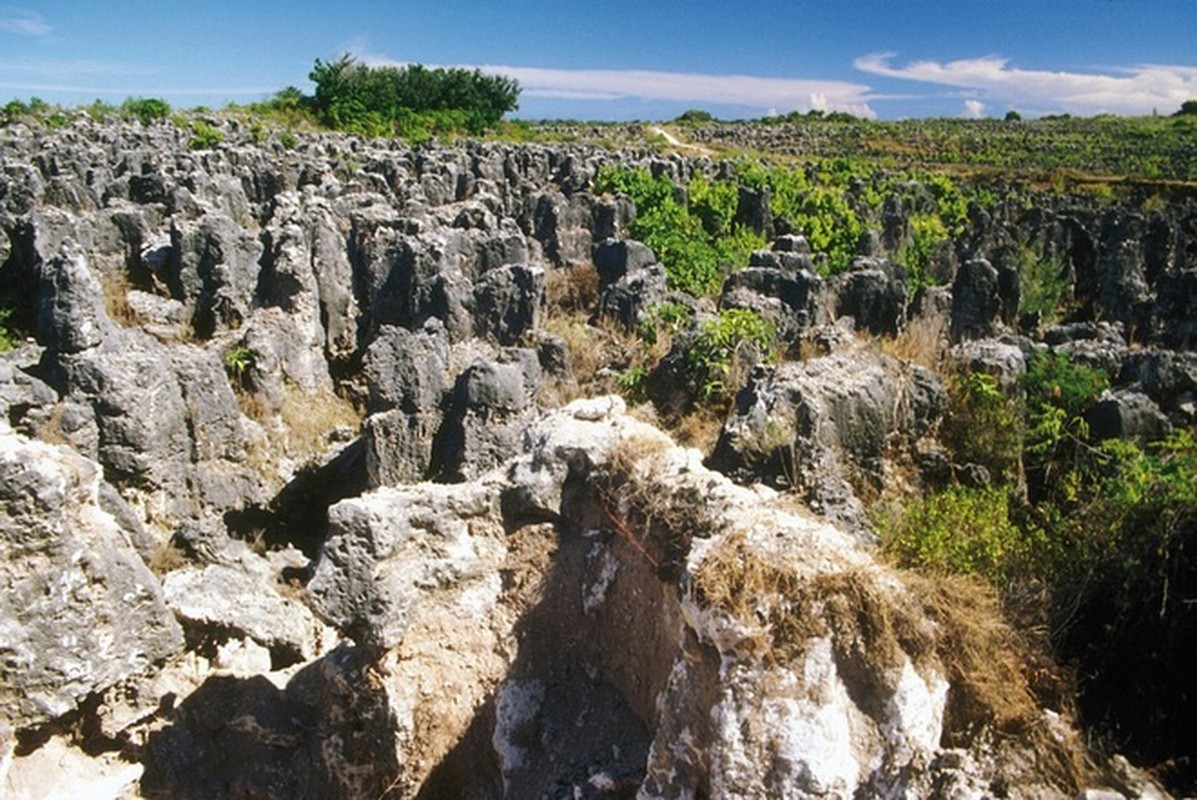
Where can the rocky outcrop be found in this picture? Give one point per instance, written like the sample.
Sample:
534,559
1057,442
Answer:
823,428
204,321
81,612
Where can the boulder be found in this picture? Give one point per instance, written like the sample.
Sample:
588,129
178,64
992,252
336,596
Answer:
614,258
1127,414
976,302
79,609
392,547
784,297
407,370
241,601
629,299
490,404
824,427
874,299
507,303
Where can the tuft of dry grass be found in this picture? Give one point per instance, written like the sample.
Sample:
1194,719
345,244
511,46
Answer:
311,420
572,291
117,285
951,623
923,341
167,557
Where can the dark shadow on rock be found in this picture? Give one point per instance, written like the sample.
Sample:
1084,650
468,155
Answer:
328,734
577,712
298,514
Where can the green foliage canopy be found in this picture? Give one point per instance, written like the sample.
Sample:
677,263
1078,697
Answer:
380,100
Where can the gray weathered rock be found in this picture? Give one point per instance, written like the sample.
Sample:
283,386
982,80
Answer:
873,298
407,370
214,270
1127,414
389,548
824,426
491,403
614,258
976,304
242,601
507,302
784,297
71,314
78,608
630,298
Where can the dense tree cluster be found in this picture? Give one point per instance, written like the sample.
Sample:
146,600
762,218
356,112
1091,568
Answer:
380,100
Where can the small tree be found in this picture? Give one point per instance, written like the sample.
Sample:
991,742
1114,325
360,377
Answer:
1187,108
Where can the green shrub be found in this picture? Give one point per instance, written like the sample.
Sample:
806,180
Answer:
145,109
1042,284
732,339
204,136
984,424
694,258
373,100
959,530
1058,393
238,361
694,116
927,233
9,338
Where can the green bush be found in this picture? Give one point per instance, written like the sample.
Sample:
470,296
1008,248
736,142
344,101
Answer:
377,100
9,338
146,109
204,136
1058,393
697,243
1042,284
959,530
731,339
984,424
927,232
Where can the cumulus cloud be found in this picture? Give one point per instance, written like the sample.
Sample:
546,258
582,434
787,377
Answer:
23,22
741,90
974,109
1135,90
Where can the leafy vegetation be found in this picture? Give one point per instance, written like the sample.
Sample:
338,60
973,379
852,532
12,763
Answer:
204,136
695,235
9,339
1108,528
735,337
412,101
1074,147
959,531
145,109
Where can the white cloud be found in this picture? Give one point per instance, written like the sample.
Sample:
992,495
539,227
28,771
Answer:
1135,90
974,109
23,22
740,90
69,68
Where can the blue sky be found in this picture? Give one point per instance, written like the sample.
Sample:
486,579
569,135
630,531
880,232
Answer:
632,60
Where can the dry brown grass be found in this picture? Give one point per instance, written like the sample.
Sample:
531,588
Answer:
923,341
658,515
117,285
167,557
700,428
572,291
310,420
953,623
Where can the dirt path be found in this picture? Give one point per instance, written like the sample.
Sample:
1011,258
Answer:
657,130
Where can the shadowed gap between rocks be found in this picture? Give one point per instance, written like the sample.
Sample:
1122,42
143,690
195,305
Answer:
577,711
